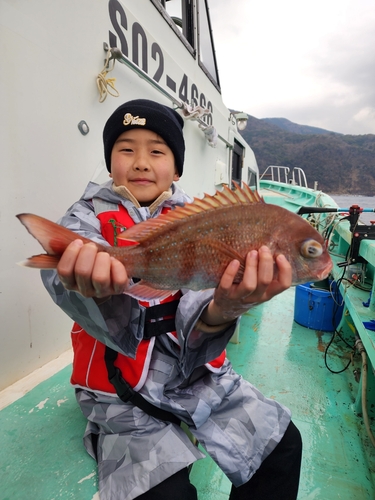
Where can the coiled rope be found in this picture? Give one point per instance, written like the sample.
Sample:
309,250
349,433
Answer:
106,85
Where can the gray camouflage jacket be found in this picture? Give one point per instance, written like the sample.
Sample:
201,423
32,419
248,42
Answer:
233,421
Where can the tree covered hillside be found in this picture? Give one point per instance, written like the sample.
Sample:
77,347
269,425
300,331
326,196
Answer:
340,163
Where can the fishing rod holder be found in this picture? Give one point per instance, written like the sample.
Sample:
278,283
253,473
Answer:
359,231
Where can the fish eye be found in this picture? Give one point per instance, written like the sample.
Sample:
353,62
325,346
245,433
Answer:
311,249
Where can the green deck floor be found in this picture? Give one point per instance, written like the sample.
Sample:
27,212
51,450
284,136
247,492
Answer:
41,452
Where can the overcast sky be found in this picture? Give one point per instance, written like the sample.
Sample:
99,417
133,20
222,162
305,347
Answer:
310,62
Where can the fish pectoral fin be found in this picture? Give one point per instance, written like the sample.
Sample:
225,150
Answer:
226,250
145,291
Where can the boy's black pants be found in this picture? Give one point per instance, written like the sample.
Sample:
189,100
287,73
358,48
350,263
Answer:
276,479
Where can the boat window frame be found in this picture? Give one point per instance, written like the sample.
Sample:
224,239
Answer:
252,174
188,20
238,155
210,32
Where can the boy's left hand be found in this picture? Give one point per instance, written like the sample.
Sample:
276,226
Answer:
258,285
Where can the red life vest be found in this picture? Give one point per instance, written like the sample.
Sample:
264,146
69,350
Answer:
89,368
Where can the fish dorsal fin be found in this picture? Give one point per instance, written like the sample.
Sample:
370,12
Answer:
226,198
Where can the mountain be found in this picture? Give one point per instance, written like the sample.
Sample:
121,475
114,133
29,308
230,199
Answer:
340,163
296,128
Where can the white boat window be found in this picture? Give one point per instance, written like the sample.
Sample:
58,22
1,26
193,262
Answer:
174,9
207,58
181,13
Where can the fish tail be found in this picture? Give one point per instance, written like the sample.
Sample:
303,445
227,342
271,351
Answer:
53,238
42,261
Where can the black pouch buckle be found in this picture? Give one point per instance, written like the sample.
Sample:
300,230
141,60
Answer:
124,391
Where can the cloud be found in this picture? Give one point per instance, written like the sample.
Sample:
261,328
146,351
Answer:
311,63
345,65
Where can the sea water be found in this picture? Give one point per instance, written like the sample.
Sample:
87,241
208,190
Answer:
347,200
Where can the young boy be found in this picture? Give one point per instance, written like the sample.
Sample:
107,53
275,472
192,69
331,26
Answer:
167,360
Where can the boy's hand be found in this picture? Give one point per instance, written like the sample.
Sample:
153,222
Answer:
257,286
91,273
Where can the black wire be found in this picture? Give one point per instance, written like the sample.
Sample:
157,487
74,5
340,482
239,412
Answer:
326,233
337,298
356,285
326,353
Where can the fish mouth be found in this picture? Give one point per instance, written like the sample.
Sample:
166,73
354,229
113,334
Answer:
323,274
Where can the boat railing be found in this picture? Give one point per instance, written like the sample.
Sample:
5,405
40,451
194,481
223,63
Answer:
298,177
193,113
279,173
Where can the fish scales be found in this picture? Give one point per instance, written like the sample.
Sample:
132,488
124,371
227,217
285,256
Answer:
196,251
188,249
191,246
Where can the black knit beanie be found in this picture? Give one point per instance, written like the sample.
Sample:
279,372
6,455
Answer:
142,113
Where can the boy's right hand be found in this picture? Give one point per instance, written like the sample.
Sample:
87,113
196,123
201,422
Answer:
91,273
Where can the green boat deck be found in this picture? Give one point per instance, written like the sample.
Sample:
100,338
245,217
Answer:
41,451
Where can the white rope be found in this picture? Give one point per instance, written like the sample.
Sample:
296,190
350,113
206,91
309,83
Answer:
196,113
211,134
192,113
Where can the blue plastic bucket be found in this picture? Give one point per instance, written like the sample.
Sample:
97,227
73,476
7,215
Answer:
314,307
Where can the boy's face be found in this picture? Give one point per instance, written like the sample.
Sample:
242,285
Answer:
142,162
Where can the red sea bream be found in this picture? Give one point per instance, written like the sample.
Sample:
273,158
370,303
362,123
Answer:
191,246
